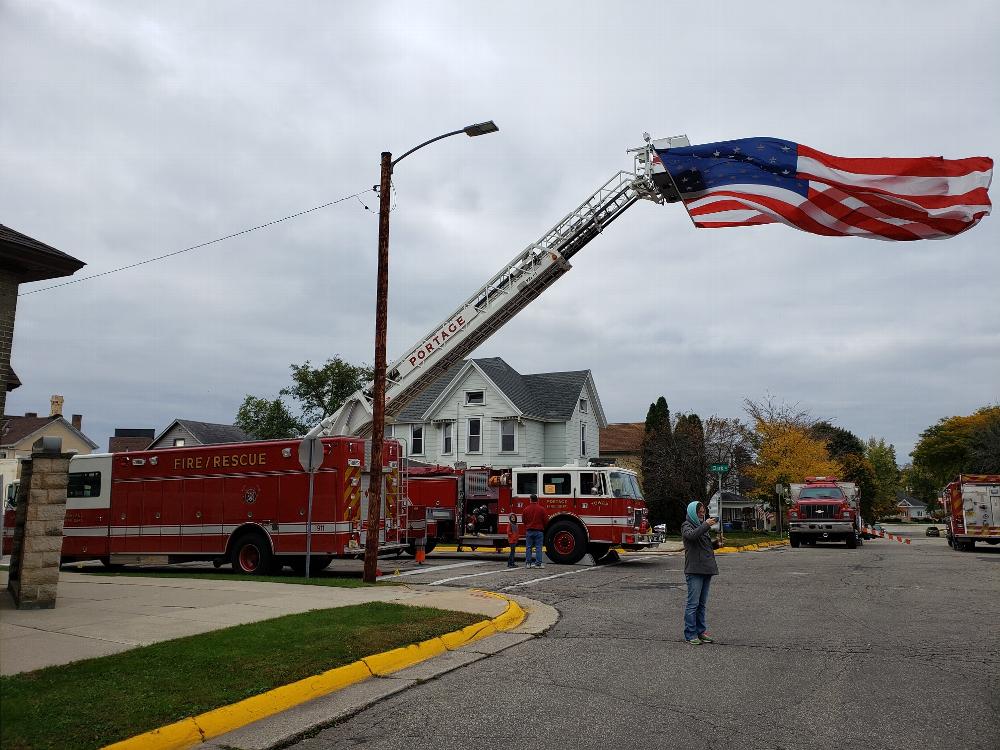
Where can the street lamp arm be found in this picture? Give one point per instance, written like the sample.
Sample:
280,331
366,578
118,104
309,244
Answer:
426,143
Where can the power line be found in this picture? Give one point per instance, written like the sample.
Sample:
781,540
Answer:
195,247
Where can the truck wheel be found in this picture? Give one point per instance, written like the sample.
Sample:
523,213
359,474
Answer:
793,540
852,542
252,555
565,542
316,564
970,546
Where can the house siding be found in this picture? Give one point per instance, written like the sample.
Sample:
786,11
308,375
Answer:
589,420
178,431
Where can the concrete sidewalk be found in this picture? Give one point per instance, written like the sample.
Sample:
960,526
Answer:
97,615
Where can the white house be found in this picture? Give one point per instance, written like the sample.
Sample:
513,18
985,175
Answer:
910,508
483,412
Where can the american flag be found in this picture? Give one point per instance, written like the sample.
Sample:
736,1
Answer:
767,180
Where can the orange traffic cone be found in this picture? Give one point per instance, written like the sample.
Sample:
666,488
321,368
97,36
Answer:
421,554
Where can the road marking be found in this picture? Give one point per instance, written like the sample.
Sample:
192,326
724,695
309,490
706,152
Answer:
472,575
570,572
434,569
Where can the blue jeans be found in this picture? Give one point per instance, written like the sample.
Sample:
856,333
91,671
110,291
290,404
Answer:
511,558
533,539
694,612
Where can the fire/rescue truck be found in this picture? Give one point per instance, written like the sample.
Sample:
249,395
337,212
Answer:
249,514
824,509
241,503
591,508
972,503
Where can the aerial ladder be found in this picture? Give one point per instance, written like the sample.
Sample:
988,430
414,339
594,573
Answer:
510,290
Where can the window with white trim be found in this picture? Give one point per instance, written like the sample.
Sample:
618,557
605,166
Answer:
389,432
474,435
447,448
417,439
583,406
583,438
178,442
475,398
508,436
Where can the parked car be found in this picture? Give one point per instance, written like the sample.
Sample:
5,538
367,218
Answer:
660,528
933,531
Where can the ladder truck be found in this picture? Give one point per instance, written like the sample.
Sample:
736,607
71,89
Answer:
576,525
510,290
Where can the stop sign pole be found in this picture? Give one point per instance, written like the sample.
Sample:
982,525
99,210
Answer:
311,458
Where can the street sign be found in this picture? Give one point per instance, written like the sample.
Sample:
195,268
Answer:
311,454
719,468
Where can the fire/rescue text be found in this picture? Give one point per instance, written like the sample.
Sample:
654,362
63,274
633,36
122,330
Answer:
438,339
216,462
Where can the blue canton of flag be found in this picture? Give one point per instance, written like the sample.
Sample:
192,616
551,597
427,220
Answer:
747,161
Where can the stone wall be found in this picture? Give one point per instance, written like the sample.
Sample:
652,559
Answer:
38,531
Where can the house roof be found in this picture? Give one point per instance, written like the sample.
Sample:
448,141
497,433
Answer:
549,396
19,428
209,433
34,260
122,444
911,502
623,437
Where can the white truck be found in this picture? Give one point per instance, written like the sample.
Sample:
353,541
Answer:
972,503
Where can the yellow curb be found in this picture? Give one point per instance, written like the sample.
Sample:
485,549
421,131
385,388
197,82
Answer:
192,731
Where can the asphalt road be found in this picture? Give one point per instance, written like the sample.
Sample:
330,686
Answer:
887,646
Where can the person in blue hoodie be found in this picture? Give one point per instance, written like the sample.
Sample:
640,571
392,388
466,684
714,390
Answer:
699,567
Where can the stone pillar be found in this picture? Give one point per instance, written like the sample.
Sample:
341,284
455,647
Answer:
38,528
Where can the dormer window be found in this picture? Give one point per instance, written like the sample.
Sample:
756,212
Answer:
475,398
583,406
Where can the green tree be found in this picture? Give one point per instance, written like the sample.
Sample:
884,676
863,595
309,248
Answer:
839,442
267,420
656,443
320,391
882,458
689,469
984,447
956,445
917,483
730,441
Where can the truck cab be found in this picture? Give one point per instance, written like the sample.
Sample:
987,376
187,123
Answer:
823,509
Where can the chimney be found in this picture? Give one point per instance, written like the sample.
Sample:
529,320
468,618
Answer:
77,422
56,403
31,414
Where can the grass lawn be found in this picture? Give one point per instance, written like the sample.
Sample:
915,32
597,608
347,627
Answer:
95,702
324,579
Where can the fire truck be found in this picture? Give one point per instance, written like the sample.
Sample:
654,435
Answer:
239,503
195,503
591,508
824,509
972,503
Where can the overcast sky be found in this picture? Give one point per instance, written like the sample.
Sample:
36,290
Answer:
133,129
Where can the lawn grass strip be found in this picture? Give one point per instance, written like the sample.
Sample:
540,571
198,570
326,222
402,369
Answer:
192,731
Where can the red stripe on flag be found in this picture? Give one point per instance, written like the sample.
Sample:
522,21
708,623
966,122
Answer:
925,166
792,214
872,220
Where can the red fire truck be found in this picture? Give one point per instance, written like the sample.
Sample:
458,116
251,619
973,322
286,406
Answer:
239,503
591,508
972,503
824,509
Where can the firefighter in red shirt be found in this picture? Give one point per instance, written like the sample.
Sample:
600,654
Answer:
534,518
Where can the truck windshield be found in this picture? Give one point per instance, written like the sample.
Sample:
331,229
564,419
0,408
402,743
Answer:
624,485
821,493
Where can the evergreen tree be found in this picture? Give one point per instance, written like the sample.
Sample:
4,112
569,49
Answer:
656,459
689,467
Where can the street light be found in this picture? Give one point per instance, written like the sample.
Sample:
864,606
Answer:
381,316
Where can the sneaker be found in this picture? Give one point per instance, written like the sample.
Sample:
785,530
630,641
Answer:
695,642
539,565
705,639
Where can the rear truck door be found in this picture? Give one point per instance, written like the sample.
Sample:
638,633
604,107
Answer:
213,515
